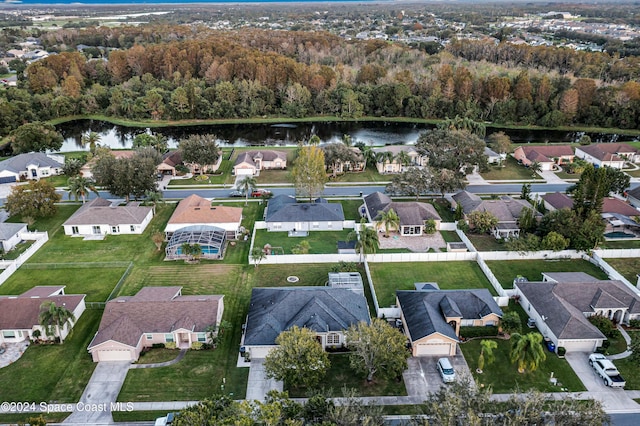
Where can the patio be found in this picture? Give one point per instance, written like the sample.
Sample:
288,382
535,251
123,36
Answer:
12,352
420,244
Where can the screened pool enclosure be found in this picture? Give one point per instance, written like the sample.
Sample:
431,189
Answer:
211,240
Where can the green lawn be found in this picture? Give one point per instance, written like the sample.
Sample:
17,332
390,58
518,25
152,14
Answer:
443,207
486,242
340,376
351,209
629,369
389,277
17,250
621,244
156,355
320,241
503,376
221,176
450,236
506,270
510,170
53,372
370,174
629,267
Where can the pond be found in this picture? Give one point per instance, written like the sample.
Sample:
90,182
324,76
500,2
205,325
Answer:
286,134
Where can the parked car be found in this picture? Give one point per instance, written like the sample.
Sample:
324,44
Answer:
606,370
261,193
446,370
236,194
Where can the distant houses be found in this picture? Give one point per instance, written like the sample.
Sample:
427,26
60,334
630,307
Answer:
250,163
412,214
608,154
389,158
546,155
30,166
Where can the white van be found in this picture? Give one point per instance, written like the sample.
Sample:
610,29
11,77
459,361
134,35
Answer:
446,370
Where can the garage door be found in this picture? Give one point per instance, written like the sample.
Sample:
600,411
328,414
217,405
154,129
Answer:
433,349
244,172
114,356
7,179
579,345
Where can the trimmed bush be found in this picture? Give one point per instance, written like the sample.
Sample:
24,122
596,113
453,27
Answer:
605,325
561,351
196,346
157,346
634,323
470,332
170,345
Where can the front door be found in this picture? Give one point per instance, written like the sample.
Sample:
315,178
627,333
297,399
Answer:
34,173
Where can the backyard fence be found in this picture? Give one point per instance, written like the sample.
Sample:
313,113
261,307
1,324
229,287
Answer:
124,276
612,273
40,238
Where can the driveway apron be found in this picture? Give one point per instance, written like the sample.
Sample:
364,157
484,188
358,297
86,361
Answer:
258,385
103,389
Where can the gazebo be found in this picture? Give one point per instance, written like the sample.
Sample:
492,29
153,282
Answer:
211,240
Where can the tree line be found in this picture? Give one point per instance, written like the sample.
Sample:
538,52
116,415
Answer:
258,73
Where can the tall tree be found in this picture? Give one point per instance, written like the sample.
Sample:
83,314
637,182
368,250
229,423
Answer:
413,182
308,172
589,192
53,315
257,256
80,186
35,137
366,240
486,352
153,198
337,154
456,150
445,180
500,142
388,219
156,141
125,177
91,139
298,359
377,348
37,199
482,221
200,150
247,185
527,351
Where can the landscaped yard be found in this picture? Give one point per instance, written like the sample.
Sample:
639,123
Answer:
450,236
389,277
629,369
370,174
341,376
503,376
620,244
629,267
510,170
486,242
320,241
351,209
506,270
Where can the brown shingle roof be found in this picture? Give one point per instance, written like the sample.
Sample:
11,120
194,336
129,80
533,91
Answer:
195,209
608,151
614,205
558,200
100,212
263,154
22,312
155,310
544,153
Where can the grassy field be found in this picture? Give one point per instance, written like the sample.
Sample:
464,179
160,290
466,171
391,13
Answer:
628,267
340,376
510,170
503,376
629,369
506,270
320,241
389,277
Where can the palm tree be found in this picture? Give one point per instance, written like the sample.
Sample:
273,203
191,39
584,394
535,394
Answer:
257,255
91,139
535,168
52,314
527,351
79,187
186,250
403,158
153,197
486,353
366,240
369,156
247,185
196,251
388,219
385,157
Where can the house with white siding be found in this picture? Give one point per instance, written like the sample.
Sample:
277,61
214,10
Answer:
101,217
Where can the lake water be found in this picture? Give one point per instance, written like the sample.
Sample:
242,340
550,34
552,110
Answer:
287,134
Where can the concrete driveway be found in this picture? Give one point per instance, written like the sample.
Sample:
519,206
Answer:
612,399
422,376
258,385
103,389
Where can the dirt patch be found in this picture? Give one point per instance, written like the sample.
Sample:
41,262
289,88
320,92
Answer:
417,244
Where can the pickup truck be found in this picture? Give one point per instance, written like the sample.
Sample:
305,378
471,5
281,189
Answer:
605,369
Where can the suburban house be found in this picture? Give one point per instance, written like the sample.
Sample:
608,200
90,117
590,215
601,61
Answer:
155,315
608,154
249,163
195,210
101,217
412,214
546,155
169,162
432,318
506,209
211,240
118,154
284,213
557,201
385,165
325,310
493,157
10,234
20,315
33,165
633,196
358,165
562,302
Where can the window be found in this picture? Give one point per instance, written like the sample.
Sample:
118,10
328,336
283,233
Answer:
467,323
202,337
9,334
115,229
74,230
96,229
45,172
149,336
277,225
333,339
132,228
168,337
330,225
315,225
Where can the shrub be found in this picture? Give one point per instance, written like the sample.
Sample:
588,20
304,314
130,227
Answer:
634,323
157,345
196,346
561,350
429,226
470,332
170,345
605,325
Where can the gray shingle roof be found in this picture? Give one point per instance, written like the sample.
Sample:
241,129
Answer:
8,230
322,309
101,212
565,303
20,162
409,213
506,209
264,155
284,208
424,310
